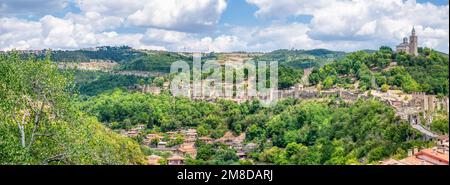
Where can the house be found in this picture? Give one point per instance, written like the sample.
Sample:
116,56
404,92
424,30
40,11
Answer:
429,156
161,145
188,149
153,159
442,144
190,135
433,156
206,139
153,136
232,141
175,160
133,133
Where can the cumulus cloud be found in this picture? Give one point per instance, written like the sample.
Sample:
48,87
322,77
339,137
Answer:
95,21
19,34
58,33
379,21
169,23
181,25
181,15
181,41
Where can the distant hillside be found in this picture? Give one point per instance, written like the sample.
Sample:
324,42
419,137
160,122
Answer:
303,58
127,57
160,61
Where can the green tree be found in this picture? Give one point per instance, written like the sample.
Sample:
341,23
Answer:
385,87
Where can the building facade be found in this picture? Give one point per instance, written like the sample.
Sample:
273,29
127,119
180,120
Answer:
411,46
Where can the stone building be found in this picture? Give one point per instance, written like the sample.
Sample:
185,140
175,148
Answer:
411,46
404,46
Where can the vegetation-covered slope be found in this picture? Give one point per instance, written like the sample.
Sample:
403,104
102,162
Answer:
302,58
40,124
426,73
301,132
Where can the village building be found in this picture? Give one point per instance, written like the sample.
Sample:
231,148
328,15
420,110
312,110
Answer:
161,145
133,133
205,139
438,155
150,137
187,149
153,159
235,142
175,160
442,144
190,135
153,136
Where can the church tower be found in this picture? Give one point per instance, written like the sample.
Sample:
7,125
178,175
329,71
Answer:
413,43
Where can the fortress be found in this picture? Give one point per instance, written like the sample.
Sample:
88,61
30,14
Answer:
411,46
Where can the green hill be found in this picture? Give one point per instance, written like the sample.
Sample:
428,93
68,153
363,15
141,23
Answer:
303,58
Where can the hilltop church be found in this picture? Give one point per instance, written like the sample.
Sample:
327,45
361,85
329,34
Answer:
411,46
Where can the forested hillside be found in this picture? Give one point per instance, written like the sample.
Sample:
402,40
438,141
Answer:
43,120
40,124
387,70
91,83
293,132
302,58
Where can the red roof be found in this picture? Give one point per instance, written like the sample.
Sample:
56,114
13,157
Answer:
433,154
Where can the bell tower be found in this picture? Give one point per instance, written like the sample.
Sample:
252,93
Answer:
413,43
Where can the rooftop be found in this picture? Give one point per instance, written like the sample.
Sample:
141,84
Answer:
175,158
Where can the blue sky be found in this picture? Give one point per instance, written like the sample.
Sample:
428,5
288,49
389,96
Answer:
221,25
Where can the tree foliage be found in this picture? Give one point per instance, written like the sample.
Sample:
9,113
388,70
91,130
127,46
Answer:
40,125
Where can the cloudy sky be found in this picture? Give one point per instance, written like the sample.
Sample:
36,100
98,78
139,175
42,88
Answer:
222,25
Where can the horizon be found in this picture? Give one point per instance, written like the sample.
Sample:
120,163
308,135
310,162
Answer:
292,49
222,26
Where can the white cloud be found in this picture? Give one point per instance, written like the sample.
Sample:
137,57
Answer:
181,41
19,34
58,33
180,25
95,21
182,15
161,36
368,28
379,21
110,7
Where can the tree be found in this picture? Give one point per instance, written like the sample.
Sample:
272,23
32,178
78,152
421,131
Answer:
440,126
40,124
328,83
385,87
